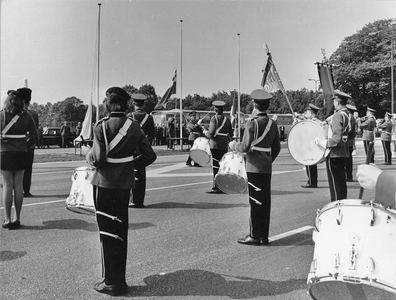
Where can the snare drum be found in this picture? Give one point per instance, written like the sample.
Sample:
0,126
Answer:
355,251
232,178
301,145
81,194
200,151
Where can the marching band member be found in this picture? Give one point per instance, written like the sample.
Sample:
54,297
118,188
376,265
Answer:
146,122
337,147
312,170
386,137
351,142
117,138
261,144
368,124
195,131
219,132
393,121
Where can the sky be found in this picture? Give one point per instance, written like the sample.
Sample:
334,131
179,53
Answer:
52,44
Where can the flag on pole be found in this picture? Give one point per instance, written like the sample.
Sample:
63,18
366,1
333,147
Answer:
86,130
271,81
326,78
234,108
169,92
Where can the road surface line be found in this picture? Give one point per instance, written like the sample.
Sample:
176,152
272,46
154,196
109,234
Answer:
289,233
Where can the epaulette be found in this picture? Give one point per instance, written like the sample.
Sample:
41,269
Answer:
101,120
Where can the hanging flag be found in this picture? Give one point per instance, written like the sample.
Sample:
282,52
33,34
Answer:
169,92
271,81
234,109
326,78
86,130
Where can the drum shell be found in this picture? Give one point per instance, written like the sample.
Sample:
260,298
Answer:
231,177
345,228
301,142
200,151
81,194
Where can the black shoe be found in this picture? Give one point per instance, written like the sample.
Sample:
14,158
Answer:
214,191
264,242
111,289
387,163
8,225
248,240
136,205
309,186
26,195
16,224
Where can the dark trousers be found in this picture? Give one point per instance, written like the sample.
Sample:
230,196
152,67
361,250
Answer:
65,141
312,173
349,164
260,212
217,154
387,151
139,191
366,147
27,177
336,176
113,202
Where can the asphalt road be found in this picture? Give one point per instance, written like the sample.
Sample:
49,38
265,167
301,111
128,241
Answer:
182,246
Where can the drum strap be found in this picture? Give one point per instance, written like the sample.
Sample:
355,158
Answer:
221,126
8,126
258,140
385,190
144,119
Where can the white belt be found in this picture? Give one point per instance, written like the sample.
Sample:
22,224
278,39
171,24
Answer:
260,149
367,130
14,136
119,160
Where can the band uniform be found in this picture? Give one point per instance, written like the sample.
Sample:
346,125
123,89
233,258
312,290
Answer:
351,142
386,138
368,125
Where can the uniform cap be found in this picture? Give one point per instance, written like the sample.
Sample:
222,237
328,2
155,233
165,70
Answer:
313,107
25,93
117,94
342,95
260,95
351,107
138,97
372,110
193,113
218,103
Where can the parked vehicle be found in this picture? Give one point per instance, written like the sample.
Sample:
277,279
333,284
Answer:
54,138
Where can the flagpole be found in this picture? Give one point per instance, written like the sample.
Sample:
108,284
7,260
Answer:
181,85
239,89
97,92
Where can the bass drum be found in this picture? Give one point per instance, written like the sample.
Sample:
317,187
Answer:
232,177
301,145
80,199
355,252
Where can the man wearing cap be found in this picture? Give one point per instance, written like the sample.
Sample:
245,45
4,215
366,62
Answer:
336,147
393,121
351,142
26,94
261,144
386,138
219,132
194,131
146,122
312,170
117,139
368,125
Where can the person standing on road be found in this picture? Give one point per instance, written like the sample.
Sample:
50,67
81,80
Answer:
65,133
368,124
219,133
195,131
27,177
117,138
261,144
386,138
146,122
15,123
351,143
336,147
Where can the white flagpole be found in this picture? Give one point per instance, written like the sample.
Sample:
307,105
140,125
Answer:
97,91
239,90
181,85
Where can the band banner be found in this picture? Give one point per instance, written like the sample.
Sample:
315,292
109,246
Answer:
169,92
326,78
271,81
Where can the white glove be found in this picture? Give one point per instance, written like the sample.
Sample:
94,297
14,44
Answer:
85,149
320,143
367,175
274,117
199,122
232,145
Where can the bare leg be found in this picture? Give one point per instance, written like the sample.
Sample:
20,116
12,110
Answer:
8,186
18,193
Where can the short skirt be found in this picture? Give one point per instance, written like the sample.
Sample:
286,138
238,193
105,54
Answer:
14,160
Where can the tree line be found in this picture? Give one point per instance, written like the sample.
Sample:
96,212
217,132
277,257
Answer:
361,69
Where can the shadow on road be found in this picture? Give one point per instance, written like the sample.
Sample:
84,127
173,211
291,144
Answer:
196,205
205,283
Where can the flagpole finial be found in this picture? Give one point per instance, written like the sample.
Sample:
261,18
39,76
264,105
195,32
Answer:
181,21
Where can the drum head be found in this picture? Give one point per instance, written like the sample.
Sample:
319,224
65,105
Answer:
301,145
200,156
231,183
336,290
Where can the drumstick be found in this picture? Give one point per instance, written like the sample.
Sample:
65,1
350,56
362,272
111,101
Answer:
255,187
258,202
368,159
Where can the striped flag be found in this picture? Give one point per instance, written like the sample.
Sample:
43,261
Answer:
169,92
271,81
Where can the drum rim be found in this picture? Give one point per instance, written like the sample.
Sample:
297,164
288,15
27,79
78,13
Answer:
235,175
84,168
354,202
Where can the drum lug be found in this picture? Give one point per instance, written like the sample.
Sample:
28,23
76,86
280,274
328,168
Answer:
372,214
339,218
318,222
388,218
352,253
371,267
336,265
313,266
86,176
